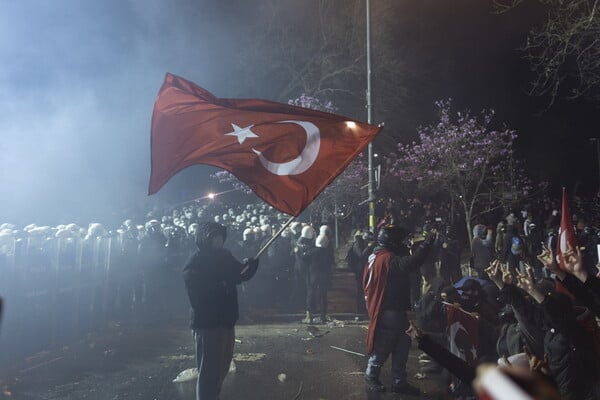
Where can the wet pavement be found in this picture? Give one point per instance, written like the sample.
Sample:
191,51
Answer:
276,357
273,361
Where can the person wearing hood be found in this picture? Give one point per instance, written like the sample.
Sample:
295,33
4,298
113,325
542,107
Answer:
482,248
211,275
387,295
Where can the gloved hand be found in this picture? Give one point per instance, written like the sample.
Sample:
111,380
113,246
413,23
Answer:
430,238
252,262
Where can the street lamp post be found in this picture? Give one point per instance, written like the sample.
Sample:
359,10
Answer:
371,190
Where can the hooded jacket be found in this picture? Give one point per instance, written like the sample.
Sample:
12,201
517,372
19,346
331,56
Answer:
211,276
481,248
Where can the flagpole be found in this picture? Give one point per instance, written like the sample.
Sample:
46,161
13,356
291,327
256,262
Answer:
275,236
371,193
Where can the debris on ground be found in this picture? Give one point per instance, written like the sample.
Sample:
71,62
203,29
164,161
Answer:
281,377
178,357
232,367
315,332
248,356
335,324
347,351
420,376
238,341
189,374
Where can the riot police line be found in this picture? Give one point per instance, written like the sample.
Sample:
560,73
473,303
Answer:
60,284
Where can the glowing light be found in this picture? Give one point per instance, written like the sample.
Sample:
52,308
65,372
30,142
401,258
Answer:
351,124
211,195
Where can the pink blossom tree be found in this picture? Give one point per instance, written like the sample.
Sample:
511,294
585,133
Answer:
463,157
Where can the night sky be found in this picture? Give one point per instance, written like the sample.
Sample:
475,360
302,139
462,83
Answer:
78,80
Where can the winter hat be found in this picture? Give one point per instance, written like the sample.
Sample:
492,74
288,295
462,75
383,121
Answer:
478,230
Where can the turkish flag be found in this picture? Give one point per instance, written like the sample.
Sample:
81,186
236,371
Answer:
566,231
463,330
286,154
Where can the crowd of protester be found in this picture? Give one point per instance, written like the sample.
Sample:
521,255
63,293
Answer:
527,310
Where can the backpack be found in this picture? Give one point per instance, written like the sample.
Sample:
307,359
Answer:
516,245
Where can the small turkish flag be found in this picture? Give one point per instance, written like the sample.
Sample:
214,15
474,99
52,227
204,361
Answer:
286,154
566,232
463,329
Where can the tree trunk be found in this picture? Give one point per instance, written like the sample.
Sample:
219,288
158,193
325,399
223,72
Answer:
468,223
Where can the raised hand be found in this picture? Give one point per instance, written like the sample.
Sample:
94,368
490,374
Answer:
492,272
507,276
526,282
529,272
536,364
573,263
548,258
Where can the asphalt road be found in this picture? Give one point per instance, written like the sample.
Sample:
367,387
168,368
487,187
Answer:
276,357
141,363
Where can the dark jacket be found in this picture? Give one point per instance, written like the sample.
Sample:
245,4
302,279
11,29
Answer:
397,291
587,294
530,319
211,277
321,263
302,250
571,357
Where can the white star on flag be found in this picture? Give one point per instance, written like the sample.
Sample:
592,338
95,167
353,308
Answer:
241,133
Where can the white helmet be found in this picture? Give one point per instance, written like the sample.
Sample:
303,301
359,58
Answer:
266,229
296,227
322,241
308,232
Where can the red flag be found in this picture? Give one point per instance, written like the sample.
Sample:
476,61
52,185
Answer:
463,330
286,154
566,232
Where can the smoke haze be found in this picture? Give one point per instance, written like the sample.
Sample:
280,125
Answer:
77,86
